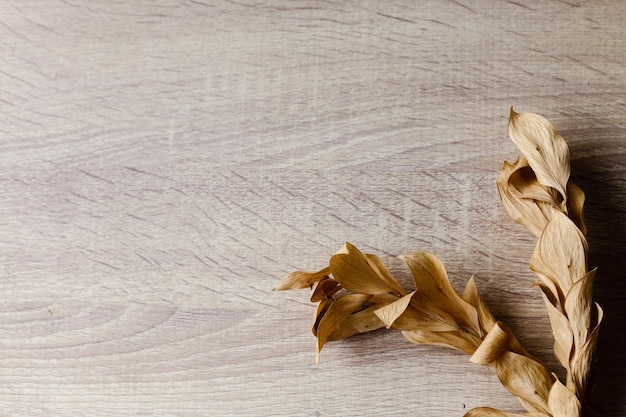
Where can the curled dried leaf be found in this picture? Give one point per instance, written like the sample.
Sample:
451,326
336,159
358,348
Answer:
563,338
524,211
464,342
546,151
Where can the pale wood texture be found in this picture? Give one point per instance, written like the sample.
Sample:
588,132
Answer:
164,164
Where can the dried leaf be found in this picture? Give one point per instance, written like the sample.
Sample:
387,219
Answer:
299,279
563,339
325,288
563,402
561,253
354,273
335,316
493,345
492,412
435,295
546,151
486,320
390,312
580,365
521,210
575,203
525,378
464,342
578,304
380,268
359,322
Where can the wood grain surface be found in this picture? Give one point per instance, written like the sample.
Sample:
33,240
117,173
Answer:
163,164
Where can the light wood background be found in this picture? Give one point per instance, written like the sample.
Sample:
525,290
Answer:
164,164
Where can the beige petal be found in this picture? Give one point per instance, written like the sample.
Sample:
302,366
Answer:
563,402
543,147
563,339
492,412
436,296
561,253
335,316
525,378
575,203
390,312
578,304
456,340
353,272
486,320
299,279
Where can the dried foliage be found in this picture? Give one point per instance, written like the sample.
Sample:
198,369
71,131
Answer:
356,293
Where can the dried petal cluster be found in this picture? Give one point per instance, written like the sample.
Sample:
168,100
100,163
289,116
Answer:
356,293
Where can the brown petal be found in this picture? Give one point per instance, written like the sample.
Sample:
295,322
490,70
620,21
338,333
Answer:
563,402
299,279
353,272
334,317
525,378
546,151
561,253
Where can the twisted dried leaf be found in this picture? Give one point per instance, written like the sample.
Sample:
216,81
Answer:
546,151
575,203
580,365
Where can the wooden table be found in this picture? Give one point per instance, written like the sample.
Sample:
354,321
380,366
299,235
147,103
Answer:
164,164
